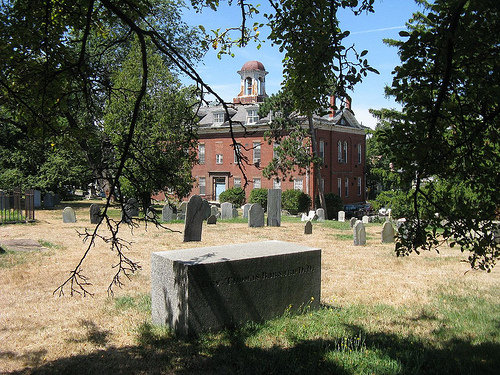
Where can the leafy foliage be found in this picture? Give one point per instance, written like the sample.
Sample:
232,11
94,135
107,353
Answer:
295,201
333,205
259,196
235,195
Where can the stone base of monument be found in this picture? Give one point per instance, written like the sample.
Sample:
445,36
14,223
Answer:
210,288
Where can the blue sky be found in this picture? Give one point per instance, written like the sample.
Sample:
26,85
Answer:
367,32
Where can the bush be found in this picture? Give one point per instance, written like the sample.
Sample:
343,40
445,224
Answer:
333,205
236,196
295,201
259,196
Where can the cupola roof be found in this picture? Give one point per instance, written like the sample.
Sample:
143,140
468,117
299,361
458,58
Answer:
252,65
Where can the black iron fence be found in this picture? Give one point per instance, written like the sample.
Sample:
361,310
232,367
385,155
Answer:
16,206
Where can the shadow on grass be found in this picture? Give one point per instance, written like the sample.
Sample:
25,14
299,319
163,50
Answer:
159,352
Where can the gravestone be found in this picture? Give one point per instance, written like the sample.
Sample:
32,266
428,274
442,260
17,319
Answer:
256,216
235,212
214,211
167,213
246,207
321,214
352,222
308,228
95,213
37,198
303,217
226,211
365,219
133,207
48,200
194,219
182,207
206,209
387,233
151,213
274,207
359,234
212,219
209,288
341,216
69,215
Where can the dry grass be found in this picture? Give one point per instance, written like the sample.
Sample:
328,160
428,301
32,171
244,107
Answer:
36,326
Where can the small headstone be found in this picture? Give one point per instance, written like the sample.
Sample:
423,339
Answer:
256,216
366,219
181,216
400,222
387,233
95,213
167,214
352,222
246,207
212,219
69,215
133,207
206,209
304,217
341,216
37,198
48,200
226,211
359,234
274,207
321,214
214,211
194,219
308,229
182,207
150,213
235,212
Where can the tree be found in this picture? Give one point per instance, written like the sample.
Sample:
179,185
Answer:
446,146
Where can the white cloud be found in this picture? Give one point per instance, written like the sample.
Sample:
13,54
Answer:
377,30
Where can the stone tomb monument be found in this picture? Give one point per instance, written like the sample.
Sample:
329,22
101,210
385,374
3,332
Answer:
321,214
69,215
359,234
208,288
95,213
387,235
341,216
256,216
274,207
195,212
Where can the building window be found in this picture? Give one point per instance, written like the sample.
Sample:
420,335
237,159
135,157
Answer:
201,154
252,116
339,151
298,184
218,159
359,185
202,184
237,154
345,151
237,182
276,183
256,183
256,152
322,150
359,153
346,187
219,118
339,187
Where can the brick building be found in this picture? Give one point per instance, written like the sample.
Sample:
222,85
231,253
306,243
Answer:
341,142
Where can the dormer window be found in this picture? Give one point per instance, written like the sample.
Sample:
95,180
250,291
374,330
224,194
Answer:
252,116
219,118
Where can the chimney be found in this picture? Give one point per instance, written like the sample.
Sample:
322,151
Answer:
332,106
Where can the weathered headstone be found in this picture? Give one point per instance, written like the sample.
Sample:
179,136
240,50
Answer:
352,222
321,214
308,228
209,288
274,207
359,234
212,219
246,207
194,219
206,209
133,207
182,207
167,213
214,211
95,213
37,198
303,217
235,212
365,219
256,216
387,233
226,211
48,200
57,199
69,215
341,216
151,213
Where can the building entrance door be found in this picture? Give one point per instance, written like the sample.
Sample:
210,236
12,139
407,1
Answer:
220,186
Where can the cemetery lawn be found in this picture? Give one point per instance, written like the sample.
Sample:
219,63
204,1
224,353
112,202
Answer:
380,314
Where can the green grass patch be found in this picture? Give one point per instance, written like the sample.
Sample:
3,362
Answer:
49,245
343,237
336,225
140,302
11,258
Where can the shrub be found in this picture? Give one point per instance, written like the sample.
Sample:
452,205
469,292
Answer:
295,201
236,196
259,196
333,205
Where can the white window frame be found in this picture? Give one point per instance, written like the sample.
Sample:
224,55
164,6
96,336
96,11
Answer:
257,183
298,184
322,150
202,183
256,152
237,182
201,153
339,151
219,159
252,116
218,116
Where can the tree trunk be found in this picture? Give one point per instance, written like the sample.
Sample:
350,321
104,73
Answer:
317,166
